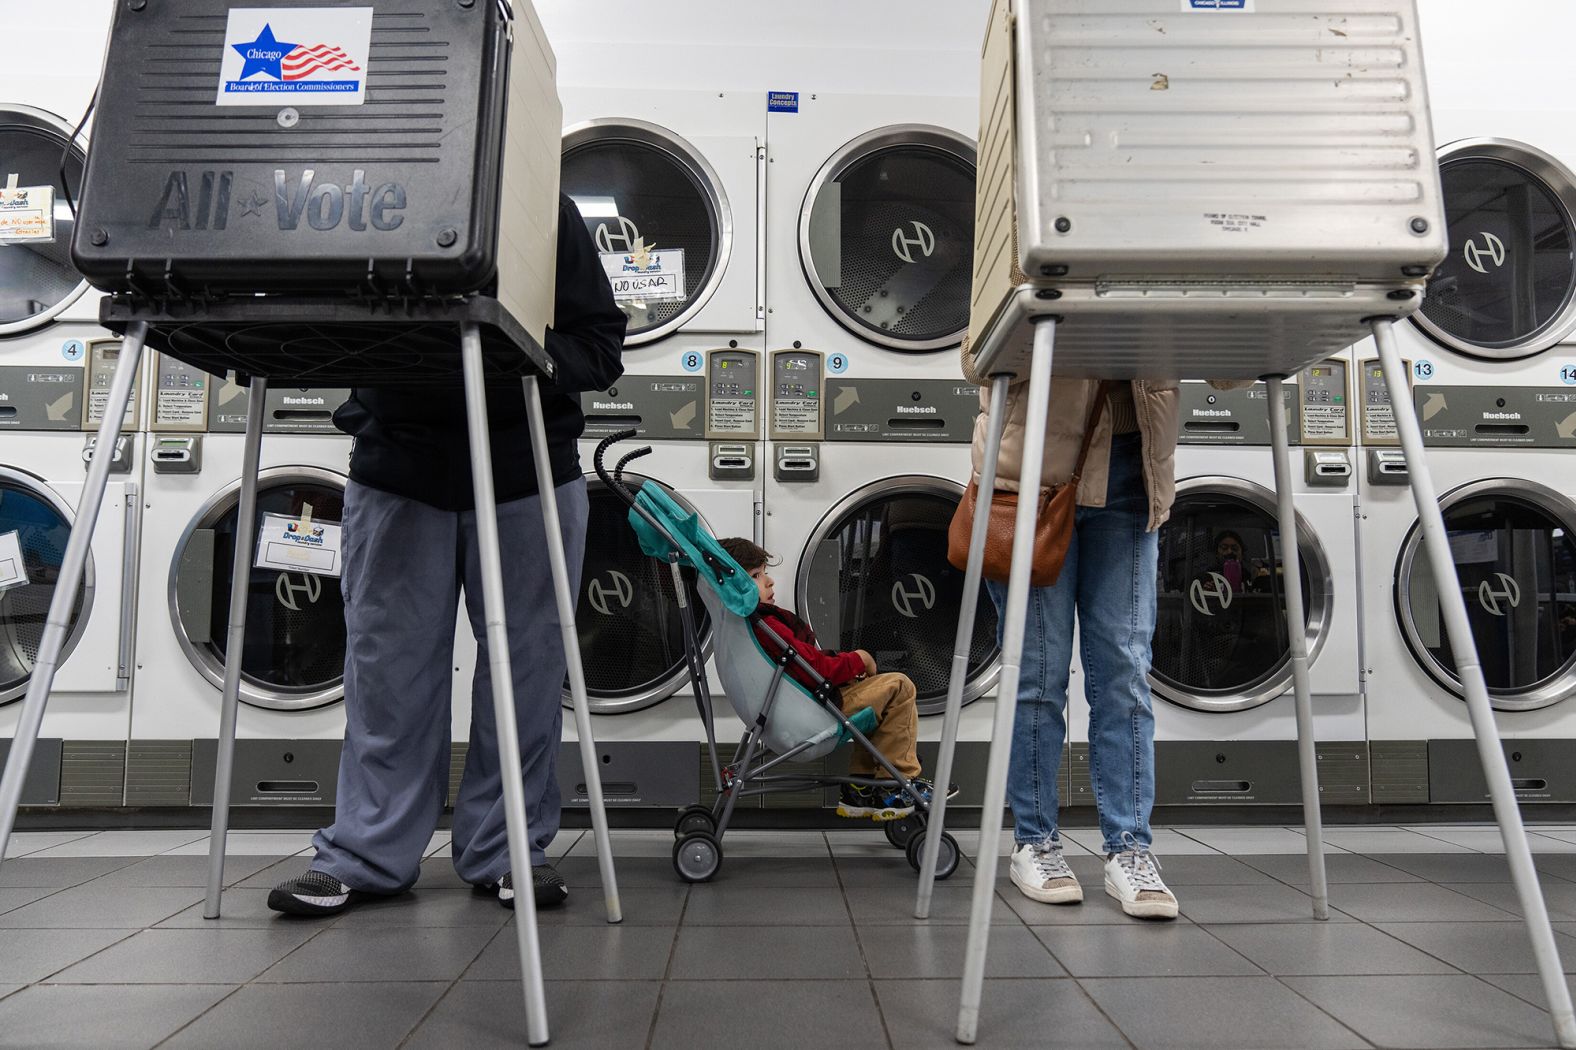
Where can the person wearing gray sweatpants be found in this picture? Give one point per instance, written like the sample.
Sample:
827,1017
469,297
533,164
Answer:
410,553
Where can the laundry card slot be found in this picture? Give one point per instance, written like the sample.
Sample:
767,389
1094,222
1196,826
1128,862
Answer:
302,415
287,787
614,422
1211,426
1502,429
1222,787
917,424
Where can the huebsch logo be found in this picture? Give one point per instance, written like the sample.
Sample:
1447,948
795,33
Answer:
1212,412
1498,602
616,593
916,410
1218,589
628,233
903,245
613,406
1501,415
1492,250
289,592
912,595
305,401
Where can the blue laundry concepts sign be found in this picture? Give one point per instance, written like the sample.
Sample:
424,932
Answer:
1217,5
782,102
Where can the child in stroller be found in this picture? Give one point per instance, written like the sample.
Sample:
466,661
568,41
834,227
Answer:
860,684
792,713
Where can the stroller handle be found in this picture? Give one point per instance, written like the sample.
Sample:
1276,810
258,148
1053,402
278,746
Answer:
615,481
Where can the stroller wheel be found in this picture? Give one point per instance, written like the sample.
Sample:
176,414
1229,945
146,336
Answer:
946,857
697,856
899,831
695,818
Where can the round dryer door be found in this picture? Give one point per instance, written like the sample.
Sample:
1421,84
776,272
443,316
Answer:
1508,287
1221,642
875,576
657,214
1514,545
886,236
294,653
37,280
631,631
41,523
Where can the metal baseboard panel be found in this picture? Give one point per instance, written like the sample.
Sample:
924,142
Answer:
1399,772
270,772
42,785
159,773
1226,772
93,773
657,773
1077,787
708,785
1343,772
1540,770
457,753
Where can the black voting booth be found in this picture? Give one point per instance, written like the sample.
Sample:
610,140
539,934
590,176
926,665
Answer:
330,199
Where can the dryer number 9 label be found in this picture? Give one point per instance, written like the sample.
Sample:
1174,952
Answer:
1423,371
1568,375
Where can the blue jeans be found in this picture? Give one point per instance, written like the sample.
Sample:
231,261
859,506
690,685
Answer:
1109,581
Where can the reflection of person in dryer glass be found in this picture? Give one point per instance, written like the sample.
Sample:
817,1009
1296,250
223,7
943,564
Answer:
1229,554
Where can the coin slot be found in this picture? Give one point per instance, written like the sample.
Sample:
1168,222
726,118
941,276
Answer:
1222,787
287,787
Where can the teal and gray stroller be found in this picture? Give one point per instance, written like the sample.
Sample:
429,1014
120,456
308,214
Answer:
787,721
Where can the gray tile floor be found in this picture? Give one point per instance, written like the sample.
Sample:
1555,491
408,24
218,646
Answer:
806,939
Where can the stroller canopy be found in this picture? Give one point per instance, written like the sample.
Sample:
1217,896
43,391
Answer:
670,527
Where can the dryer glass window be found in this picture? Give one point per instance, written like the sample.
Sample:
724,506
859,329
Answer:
36,276
41,532
295,622
656,216
1511,272
876,577
1220,638
1516,560
631,633
889,242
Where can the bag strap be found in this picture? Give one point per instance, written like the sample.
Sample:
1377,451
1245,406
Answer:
1101,393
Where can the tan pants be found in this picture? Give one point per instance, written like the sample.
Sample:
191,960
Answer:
891,696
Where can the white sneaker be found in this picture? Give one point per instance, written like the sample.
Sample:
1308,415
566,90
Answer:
1041,874
1133,877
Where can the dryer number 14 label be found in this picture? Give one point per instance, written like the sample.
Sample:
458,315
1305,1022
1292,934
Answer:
1568,375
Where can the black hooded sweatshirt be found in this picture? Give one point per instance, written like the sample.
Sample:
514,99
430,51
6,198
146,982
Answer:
411,441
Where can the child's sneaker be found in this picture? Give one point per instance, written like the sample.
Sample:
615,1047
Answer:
1133,877
1041,874
927,790
873,803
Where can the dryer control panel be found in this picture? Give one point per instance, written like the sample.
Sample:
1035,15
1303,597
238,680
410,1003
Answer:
1326,417
901,410
103,356
1231,417
1497,417
796,396
180,396
733,394
1378,414
287,410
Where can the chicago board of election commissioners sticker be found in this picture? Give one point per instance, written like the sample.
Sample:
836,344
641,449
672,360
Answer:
306,56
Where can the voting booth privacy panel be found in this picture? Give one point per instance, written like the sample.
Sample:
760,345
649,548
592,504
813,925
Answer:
403,153
1201,189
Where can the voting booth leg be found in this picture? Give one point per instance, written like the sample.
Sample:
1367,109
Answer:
1015,616
571,636
235,645
1297,635
503,685
996,421
57,623
1459,630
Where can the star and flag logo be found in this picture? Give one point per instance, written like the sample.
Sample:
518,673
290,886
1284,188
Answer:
299,56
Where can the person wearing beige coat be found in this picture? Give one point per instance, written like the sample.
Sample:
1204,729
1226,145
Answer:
1108,585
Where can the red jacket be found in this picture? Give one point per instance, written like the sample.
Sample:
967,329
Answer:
837,668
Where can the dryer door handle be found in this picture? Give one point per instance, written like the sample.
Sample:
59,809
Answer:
130,547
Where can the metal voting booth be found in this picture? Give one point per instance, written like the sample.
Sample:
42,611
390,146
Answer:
459,249
1225,191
